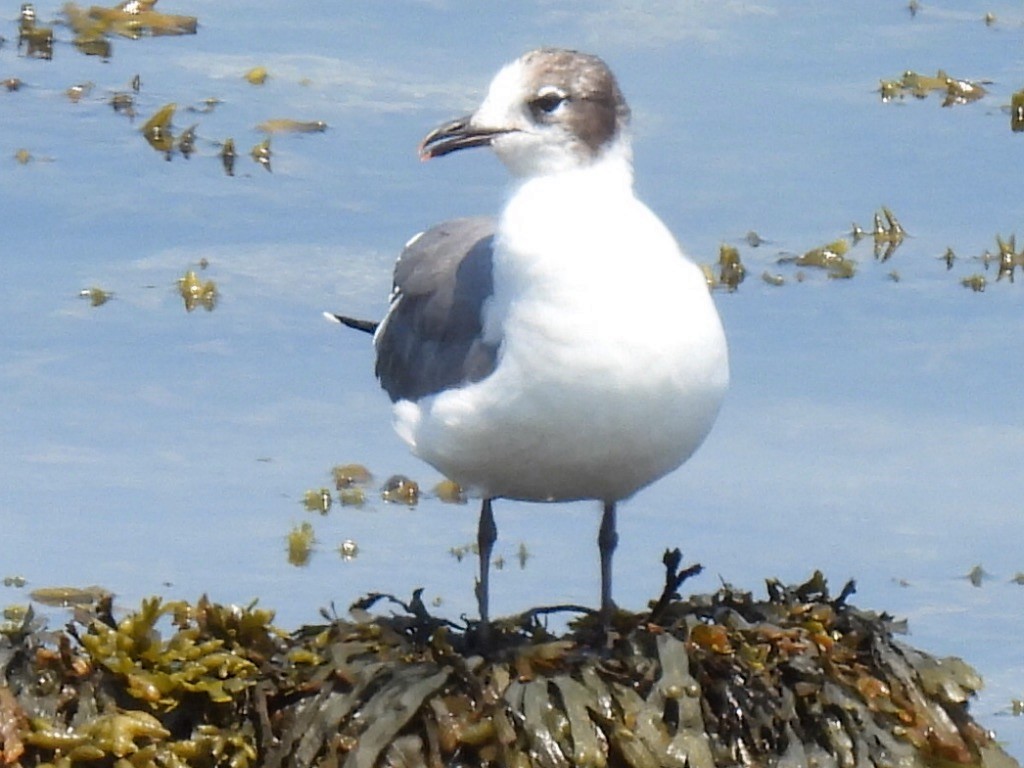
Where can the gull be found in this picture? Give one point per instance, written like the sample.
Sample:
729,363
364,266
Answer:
567,349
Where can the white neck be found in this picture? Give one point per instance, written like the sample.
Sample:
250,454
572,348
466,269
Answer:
610,172
527,159
584,215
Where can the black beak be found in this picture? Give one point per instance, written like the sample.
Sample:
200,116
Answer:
454,135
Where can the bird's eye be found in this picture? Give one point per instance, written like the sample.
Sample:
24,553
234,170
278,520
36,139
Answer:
547,101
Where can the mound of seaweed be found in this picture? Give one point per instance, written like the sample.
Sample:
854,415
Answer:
797,679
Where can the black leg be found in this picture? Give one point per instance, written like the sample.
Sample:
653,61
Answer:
607,540
486,534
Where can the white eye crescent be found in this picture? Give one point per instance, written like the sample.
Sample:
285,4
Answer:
548,99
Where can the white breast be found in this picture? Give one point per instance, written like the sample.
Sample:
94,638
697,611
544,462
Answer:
613,362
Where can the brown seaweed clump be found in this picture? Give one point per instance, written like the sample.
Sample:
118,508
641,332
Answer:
797,679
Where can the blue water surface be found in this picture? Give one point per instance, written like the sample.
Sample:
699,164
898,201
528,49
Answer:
874,426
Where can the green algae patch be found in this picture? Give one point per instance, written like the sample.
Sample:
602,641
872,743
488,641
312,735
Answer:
798,677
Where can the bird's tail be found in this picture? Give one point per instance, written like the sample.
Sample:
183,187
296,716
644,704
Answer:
366,326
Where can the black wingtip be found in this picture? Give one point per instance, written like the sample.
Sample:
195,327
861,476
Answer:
366,326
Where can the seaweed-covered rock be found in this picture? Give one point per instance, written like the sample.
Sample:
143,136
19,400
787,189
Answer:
799,678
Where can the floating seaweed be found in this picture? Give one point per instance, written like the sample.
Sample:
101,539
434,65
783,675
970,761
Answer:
348,475
450,492
522,554
90,33
97,296
157,130
399,489
975,282
186,142
1017,112
1009,259
284,125
227,156
857,233
98,45
754,240
962,92
124,104
348,549
354,496
256,76
93,26
460,551
76,93
801,677
830,257
888,234
956,90
350,481
318,500
977,576
731,271
210,103
261,153
38,41
949,258
301,539
130,19
15,614
197,293
62,597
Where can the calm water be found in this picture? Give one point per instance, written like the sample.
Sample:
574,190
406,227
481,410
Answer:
873,429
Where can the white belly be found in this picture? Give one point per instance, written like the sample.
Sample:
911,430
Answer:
612,361
591,399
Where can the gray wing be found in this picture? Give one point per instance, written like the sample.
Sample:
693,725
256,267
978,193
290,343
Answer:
430,339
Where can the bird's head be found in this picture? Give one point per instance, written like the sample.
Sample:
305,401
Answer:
550,110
